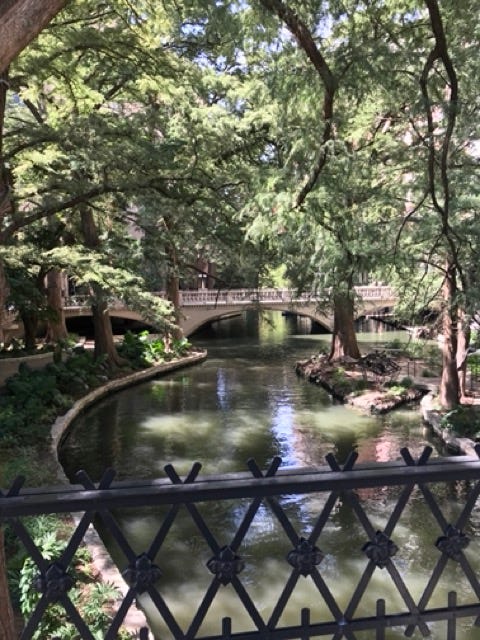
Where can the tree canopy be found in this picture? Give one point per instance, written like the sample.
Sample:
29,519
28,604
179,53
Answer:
338,139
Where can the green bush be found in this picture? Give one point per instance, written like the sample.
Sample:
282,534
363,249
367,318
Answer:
463,421
144,351
33,398
93,599
341,383
396,345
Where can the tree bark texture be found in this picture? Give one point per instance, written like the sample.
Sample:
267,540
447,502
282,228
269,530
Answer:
104,342
5,201
344,339
30,328
20,22
449,384
463,341
438,168
56,327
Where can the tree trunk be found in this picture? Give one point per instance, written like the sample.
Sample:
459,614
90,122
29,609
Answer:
104,342
20,22
102,326
30,327
463,341
7,627
172,284
344,339
4,290
449,384
5,202
56,327
173,294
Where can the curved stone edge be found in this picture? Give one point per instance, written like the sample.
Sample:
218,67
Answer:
433,417
135,618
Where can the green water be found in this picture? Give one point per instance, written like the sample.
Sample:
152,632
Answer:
245,402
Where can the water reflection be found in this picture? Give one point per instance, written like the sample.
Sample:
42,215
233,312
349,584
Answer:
246,401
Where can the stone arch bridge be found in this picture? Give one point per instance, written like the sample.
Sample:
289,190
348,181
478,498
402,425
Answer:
206,305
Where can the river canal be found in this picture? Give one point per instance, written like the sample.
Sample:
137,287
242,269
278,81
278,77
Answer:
245,401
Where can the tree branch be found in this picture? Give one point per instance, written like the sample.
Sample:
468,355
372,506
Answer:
20,22
305,40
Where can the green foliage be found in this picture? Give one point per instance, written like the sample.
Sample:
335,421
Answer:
426,351
93,599
143,351
396,345
398,388
199,124
462,421
341,383
473,363
34,398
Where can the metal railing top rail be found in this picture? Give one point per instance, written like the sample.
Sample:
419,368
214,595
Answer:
18,502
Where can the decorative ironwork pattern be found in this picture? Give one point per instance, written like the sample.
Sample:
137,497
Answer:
453,543
143,574
305,557
55,582
336,486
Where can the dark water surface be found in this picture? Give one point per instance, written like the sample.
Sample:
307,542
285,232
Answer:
246,401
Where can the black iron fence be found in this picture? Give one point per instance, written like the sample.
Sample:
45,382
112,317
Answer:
445,488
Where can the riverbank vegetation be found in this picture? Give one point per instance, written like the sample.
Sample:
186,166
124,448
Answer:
32,399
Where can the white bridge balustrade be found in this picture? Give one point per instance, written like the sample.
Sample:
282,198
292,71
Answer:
199,307
241,296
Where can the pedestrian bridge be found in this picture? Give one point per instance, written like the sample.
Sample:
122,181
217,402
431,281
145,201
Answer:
200,307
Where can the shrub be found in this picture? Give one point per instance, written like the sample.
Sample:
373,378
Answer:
143,351
34,398
92,599
341,384
463,421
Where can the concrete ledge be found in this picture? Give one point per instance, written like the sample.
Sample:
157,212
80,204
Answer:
135,618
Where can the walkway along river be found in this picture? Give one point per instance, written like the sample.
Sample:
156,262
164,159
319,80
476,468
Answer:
246,401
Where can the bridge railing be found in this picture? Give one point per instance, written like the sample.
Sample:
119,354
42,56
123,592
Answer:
271,295
222,297
310,548
239,296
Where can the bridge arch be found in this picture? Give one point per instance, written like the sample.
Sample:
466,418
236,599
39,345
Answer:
193,322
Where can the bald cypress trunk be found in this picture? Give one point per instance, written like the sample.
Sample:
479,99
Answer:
344,339
5,201
56,327
104,342
449,383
